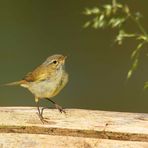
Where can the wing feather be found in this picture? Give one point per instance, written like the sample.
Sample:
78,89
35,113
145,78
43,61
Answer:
39,74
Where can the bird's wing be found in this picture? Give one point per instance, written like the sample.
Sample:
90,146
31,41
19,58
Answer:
39,74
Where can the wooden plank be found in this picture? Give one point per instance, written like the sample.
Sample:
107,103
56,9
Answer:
14,140
77,124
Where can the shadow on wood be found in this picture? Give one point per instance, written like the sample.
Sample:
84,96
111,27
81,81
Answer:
21,127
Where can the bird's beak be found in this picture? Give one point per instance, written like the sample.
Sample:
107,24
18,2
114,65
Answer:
63,60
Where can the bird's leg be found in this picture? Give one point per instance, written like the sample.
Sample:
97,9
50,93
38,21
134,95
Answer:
40,113
61,110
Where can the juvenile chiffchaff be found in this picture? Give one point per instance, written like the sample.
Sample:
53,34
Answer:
46,81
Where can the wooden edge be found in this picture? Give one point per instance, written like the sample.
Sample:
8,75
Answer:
16,140
76,123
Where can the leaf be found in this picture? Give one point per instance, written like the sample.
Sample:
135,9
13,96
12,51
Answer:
91,11
87,11
130,72
135,56
101,17
146,85
133,68
116,22
119,38
95,22
138,15
87,24
95,10
142,37
98,22
136,51
119,5
126,10
107,6
108,9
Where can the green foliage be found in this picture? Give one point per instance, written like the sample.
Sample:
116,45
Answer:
106,16
115,15
146,85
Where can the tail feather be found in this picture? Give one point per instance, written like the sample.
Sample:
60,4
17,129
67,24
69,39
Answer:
13,83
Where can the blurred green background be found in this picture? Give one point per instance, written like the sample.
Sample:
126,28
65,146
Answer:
32,30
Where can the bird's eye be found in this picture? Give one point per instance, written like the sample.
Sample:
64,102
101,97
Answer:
54,62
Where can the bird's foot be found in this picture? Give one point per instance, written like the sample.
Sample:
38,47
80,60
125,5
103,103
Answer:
43,120
61,110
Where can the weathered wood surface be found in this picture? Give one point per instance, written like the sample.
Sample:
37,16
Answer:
21,127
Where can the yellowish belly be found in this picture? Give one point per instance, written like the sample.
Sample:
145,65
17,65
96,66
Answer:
44,89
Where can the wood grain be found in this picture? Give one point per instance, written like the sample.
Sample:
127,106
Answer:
78,127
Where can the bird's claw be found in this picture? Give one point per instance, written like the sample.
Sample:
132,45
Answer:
61,110
43,120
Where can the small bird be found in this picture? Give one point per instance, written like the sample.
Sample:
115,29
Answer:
46,81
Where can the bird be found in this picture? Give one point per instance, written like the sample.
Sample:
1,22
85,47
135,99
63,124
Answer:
46,81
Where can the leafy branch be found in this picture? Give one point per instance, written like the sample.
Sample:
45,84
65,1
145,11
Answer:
116,15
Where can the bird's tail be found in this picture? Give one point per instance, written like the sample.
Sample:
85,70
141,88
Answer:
13,83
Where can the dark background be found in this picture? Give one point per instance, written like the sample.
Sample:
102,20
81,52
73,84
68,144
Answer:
32,30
